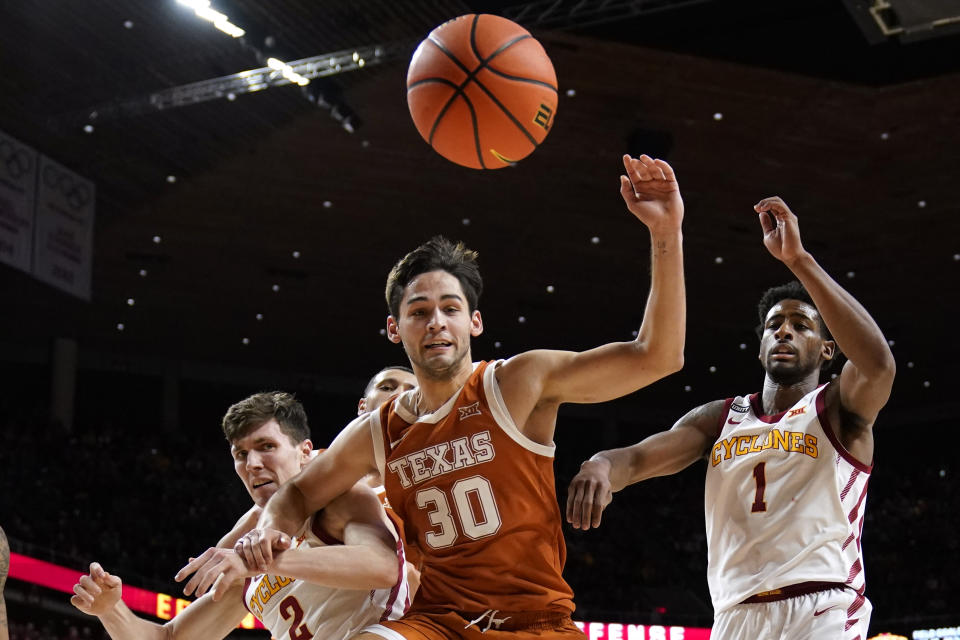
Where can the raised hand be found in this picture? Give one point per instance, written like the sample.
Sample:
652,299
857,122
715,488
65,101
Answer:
651,193
589,494
781,231
96,593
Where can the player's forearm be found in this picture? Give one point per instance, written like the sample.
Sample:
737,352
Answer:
342,566
661,454
663,331
285,511
856,332
122,624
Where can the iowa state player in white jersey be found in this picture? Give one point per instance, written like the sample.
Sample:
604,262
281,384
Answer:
467,459
345,570
787,467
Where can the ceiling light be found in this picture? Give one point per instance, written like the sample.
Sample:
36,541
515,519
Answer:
245,341
156,240
595,240
259,316
718,116
120,326
143,273
88,128
171,179
571,93
131,302
296,254
275,288
550,288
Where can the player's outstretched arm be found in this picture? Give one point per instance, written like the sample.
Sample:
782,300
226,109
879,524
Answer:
867,377
98,594
651,193
367,559
664,453
348,459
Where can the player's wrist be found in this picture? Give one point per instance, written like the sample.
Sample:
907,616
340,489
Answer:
800,262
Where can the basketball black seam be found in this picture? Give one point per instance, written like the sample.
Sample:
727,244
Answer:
521,79
434,79
471,75
473,118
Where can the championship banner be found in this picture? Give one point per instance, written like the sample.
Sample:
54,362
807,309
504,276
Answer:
18,183
63,251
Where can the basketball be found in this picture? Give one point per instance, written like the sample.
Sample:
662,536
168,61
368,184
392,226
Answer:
482,91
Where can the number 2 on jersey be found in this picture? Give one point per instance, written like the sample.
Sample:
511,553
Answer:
475,506
290,607
761,479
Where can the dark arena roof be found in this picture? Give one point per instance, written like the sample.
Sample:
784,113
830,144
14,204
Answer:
242,237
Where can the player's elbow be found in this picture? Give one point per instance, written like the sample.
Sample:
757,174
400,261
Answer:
886,369
668,360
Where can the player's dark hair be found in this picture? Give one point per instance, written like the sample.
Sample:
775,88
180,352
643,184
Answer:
398,367
253,412
438,254
793,290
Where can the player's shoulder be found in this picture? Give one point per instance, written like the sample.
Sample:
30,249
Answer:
706,417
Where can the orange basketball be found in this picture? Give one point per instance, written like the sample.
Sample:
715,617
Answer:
482,91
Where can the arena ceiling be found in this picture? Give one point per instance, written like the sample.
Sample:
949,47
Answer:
277,225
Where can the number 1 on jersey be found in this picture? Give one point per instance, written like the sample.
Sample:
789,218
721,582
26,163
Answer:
761,479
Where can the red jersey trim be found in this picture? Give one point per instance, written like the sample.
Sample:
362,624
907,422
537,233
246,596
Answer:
243,596
832,435
320,532
758,410
723,417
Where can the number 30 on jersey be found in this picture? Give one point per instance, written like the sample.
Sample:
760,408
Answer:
476,509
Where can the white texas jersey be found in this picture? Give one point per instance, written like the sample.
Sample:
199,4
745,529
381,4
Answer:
297,609
784,502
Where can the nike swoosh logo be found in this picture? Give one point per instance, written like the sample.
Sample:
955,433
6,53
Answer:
730,421
823,611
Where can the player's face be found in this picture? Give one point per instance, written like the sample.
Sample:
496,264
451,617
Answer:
265,459
435,325
792,347
385,384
